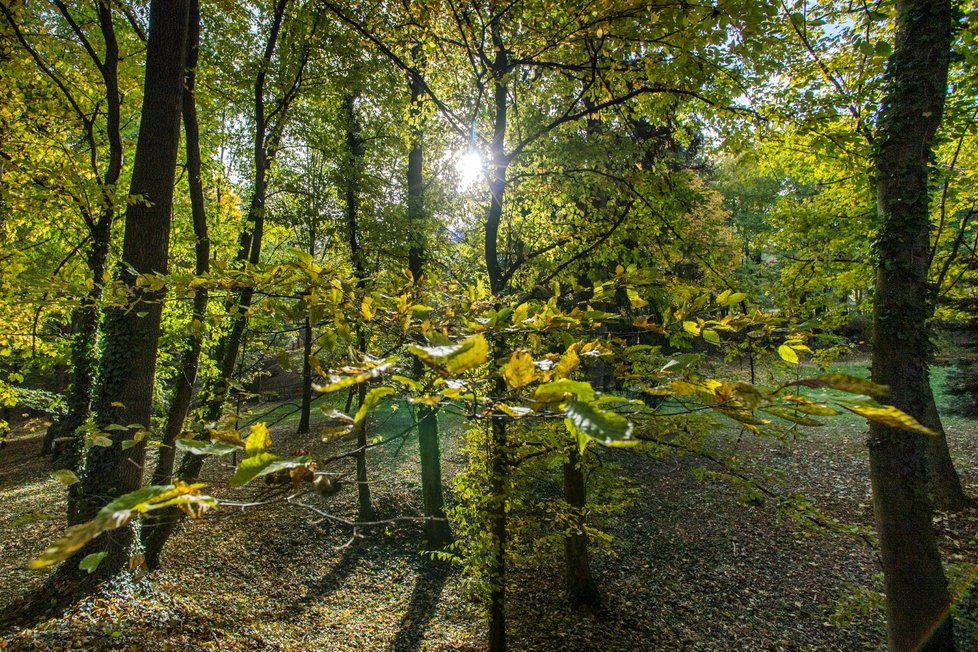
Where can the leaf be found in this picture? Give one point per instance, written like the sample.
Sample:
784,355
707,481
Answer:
258,440
568,362
65,477
691,327
100,440
844,383
587,423
520,370
559,390
360,376
455,358
516,412
372,398
808,407
198,447
891,416
736,297
91,562
263,464
788,354
711,336
792,415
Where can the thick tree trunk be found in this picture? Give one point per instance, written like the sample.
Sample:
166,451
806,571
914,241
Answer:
128,365
438,532
161,524
917,597
187,371
581,587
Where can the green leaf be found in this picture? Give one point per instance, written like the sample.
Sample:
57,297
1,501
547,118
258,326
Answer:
788,354
198,447
891,416
559,390
91,562
711,336
263,464
587,423
372,398
65,477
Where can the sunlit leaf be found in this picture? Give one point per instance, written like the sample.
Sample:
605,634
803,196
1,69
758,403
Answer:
587,422
198,447
788,354
263,464
520,370
891,416
792,415
65,477
372,398
560,390
845,383
258,439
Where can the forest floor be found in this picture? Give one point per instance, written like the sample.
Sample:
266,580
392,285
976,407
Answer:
692,567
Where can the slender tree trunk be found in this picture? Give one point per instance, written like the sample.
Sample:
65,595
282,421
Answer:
306,407
84,347
437,531
917,597
128,365
352,178
498,460
581,587
187,371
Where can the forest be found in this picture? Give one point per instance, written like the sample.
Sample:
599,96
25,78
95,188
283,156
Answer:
488,325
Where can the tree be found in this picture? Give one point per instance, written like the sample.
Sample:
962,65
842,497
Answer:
917,597
132,329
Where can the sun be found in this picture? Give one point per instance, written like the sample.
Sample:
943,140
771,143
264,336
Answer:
470,169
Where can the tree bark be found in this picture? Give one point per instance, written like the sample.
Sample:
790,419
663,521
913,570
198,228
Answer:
917,598
161,524
355,150
128,364
305,409
86,318
187,371
438,532
581,587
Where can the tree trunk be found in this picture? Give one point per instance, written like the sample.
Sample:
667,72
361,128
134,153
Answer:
128,365
917,597
187,371
161,524
354,152
581,587
306,407
438,532
86,318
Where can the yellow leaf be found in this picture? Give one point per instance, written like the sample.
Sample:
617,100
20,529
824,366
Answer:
891,416
788,354
568,362
258,439
520,370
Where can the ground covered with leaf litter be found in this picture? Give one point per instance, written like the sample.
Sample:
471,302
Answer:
693,565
